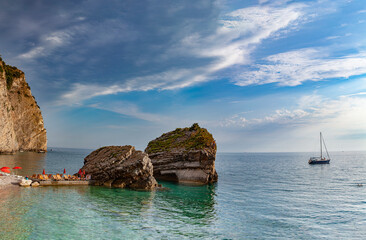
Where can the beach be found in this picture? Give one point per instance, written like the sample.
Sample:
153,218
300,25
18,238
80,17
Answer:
9,180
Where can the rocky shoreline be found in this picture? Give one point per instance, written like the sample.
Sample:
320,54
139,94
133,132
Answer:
10,180
185,155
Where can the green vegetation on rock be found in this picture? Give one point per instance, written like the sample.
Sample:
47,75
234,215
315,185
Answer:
10,73
192,138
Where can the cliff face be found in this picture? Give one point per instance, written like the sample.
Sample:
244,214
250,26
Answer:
21,122
184,155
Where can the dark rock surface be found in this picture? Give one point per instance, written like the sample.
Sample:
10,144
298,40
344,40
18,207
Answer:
120,166
185,155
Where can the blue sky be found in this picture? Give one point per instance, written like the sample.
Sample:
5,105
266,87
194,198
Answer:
260,75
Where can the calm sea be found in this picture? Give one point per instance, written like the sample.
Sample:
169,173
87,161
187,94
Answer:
258,196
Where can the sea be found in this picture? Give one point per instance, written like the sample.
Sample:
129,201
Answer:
257,196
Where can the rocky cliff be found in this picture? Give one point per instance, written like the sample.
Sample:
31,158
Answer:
184,155
21,122
120,166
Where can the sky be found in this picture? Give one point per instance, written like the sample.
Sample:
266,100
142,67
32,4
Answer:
260,75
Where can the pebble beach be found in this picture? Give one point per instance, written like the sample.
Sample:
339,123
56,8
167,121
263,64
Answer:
8,180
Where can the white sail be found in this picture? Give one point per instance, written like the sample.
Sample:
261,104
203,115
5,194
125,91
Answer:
321,159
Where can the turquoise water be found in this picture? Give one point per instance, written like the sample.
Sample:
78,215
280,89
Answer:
258,196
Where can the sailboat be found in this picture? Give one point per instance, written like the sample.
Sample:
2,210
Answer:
321,159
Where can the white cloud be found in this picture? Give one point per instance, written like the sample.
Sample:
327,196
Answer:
106,32
342,121
37,51
356,94
48,43
332,37
342,115
240,32
295,67
82,92
129,109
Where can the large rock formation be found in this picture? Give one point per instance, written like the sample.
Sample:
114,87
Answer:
184,155
120,166
21,122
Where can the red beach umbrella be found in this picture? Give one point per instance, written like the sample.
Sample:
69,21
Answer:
79,172
5,170
44,172
17,168
64,170
84,172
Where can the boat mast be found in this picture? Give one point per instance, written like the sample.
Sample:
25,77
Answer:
321,153
326,148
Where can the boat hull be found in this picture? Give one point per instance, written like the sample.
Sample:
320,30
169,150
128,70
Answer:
319,161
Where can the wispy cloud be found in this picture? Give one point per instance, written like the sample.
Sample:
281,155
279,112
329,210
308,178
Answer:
48,43
129,109
295,67
345,113
98,34
233,42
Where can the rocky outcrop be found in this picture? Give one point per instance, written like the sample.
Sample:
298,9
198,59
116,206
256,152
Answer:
25,183
184,155
120,166
21,122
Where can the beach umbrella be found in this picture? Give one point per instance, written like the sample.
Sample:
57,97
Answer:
17,168
84,172
79,172
64,170
5,170
44,172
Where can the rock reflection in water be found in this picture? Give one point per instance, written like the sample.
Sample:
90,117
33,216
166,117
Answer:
31,162
188,211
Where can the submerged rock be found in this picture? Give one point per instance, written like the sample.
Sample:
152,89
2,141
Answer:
35,184
120,166
25,183
185,155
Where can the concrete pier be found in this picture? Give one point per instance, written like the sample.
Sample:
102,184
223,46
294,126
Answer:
64,183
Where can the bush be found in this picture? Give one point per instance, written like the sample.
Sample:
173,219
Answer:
11,73
192,138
